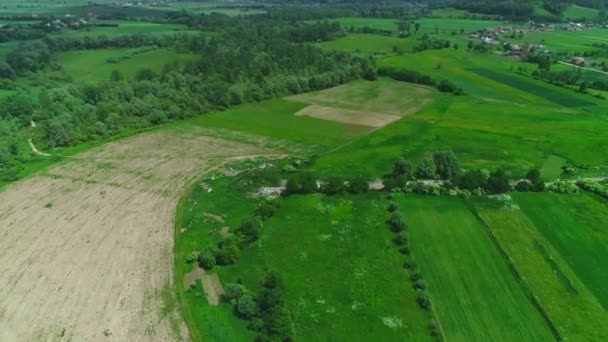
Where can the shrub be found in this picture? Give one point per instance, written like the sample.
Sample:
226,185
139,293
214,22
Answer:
446,163
409,265
334,186
250,229
415,275
358,185
420,284
426,169
424,301
255,324
227,252
267,209
396,222
498,182
392,207
233,291
192,257
246,307
404,250
471,180
401,239
563,187
206,259
523,185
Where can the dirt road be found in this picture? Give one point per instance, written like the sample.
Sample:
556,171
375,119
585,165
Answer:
86,249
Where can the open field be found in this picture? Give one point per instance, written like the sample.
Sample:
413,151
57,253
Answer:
369,43
572,309
97,65
576,226
86,247
576,12
474,293
325,249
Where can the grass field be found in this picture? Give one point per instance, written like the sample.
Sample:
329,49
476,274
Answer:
335,256
576,12
576,226
124,28
572,309
474,293
566,41
97,65
370,43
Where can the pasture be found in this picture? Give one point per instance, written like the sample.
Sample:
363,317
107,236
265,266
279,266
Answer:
334,255
97,65
475,295
576,226
571,308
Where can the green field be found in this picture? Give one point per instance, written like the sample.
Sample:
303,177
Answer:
577,227
369,43
475,295
545,273
124,28
327,252
97,65
576,12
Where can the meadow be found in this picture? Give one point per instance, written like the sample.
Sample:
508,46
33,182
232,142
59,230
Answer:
97,65
475,296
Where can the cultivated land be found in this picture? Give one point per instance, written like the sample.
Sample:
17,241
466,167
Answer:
86,248
476,296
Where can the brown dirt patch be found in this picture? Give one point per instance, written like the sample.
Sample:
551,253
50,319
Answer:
196,273
224,231
97,260
214,217
213,288
349,116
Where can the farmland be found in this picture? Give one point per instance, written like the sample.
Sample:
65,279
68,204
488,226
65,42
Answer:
187,171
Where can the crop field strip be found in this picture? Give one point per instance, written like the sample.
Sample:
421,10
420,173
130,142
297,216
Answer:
483,301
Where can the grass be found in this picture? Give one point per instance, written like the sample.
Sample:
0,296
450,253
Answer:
335,256
369,43
566,41
576,12
124,28
449,25
473,291
569,305
97,65
576,227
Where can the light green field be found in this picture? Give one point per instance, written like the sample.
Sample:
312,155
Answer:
94,65
474,293
369,43
576,12
570,306
566,41
449,25
124,28
577,227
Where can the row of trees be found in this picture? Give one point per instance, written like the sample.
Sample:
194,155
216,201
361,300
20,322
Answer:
412,76
308,183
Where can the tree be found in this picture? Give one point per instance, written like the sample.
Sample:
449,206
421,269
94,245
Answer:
446,163
228,251
145,74
417,27
402,172
471,180
358,185
396,222
537,183
498,182
116,76
250,229
426,168
246,307
233,291
206,259
334,186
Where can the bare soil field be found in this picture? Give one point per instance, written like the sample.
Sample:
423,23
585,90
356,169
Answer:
374,104
86,249
350,116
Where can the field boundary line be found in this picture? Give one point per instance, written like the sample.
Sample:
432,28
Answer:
520,280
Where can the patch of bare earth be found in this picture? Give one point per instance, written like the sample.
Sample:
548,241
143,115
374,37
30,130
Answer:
86,250
349,116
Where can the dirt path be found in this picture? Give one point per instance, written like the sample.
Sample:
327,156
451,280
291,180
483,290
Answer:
86,251
35,150
582,67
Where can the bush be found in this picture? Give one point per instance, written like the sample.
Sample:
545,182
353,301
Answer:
424,301
227,252
415,275
358,185
392,207
250,229
426,169
334,186
446,163
267,209
498,182
563,187
396,222
206,259
471,180
409,265
233,291
246,307
401,239
523,185
420,284
404,250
